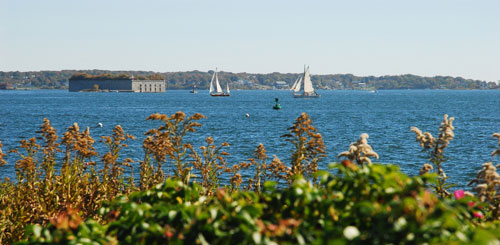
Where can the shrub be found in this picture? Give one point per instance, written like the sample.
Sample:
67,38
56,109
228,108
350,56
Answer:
41,192
358,202
370,204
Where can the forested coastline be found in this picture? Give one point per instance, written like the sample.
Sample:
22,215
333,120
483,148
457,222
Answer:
185,80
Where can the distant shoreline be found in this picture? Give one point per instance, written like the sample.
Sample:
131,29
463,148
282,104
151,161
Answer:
250,81
201,90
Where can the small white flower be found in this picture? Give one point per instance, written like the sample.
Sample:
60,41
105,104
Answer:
351,232
461,236
400,224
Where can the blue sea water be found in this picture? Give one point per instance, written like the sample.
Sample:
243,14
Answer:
340,116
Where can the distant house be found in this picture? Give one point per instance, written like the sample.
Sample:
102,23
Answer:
281,85
6,86
120,83
245,83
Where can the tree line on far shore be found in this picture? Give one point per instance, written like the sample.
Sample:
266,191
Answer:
108,76
185,80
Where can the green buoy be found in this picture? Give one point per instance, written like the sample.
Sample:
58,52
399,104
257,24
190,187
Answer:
277,106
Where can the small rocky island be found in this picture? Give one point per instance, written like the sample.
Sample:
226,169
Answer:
82,82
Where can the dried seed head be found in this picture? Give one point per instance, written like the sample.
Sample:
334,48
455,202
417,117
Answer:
425,169
487,182
198,116
360,151
2,161
209,140
178,116
260,152
497,151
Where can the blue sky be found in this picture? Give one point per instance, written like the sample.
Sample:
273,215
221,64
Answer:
456,38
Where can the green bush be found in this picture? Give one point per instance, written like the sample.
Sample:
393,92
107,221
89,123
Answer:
364,204
180,200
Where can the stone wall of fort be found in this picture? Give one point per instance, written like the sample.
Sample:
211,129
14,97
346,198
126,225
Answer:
144,86
148,86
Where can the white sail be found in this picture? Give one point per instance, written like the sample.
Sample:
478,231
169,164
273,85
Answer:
219,89
212,83
295,84
215,88
303,88
298,86
308,86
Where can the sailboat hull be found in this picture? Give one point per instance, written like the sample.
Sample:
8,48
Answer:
220,95
306,95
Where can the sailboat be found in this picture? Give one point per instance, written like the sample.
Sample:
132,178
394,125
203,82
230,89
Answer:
302,87
193,90
215,88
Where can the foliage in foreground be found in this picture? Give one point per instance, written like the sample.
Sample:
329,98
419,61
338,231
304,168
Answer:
179,196
359,204
57,176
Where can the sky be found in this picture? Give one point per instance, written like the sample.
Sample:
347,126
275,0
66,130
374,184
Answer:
376,37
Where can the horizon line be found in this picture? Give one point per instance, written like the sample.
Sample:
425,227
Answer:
312,74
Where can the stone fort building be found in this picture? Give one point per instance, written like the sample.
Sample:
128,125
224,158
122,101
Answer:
122,85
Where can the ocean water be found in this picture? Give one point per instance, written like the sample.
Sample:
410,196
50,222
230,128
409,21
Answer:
340,116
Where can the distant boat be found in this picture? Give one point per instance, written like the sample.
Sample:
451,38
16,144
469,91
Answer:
302,87
215,88
373,91
194,91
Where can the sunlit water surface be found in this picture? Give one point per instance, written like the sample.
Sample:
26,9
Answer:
340,116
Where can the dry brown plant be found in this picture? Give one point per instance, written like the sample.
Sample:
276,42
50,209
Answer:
236,179
2,155
79,153
26,167
309,147
166,145
487,182
278,171
50,146
40,194
211,164
435,148
259,163
425,169
113,170
497,151
275,171
360,151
